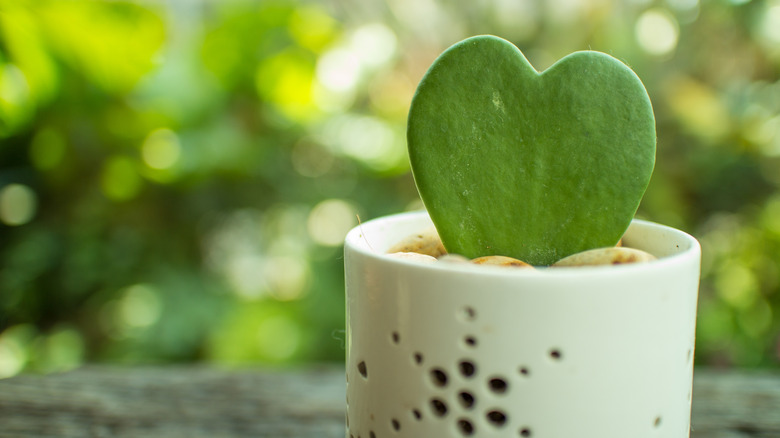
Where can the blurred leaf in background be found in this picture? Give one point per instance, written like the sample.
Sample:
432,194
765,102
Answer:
176,178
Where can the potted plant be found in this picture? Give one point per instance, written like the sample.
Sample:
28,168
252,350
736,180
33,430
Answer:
538,168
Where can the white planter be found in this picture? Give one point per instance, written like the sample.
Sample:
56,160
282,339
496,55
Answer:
439,350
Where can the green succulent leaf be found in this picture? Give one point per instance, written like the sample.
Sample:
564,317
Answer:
530,165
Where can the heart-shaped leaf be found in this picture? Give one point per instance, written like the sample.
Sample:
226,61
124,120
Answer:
535,166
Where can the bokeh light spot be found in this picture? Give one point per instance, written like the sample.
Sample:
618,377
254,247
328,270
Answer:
112,44
140,306
14,89
161,149
763,130
287,277
366,139
331,101
374,44
683,5
18,204
686,11
339,70
736,285
312,27
287,80
63,350
278,337
244,272
521,18
771,24
698,108
330,220
391,94
13,351
11,362
657,32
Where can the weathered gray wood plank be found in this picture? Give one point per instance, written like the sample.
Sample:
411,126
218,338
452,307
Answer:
736,404
192,401
174,402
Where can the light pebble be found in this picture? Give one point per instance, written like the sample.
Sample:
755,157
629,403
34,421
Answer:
605,256
497,260
453,258
413,256
425,242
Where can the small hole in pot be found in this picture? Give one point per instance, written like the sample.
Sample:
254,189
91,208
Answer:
396,337
465,427
417,414
466,399
525,432
470,341
439,407
524,371
396,424
467,368
496,418
556,354
468,313
497,385
363,370
657,421
439,377
418,358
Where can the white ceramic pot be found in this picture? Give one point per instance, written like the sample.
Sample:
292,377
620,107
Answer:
439,349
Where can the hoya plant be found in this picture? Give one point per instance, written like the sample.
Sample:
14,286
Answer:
535,166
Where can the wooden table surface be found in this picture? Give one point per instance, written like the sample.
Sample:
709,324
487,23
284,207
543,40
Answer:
197,401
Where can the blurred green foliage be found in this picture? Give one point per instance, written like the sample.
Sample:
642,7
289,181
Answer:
176,177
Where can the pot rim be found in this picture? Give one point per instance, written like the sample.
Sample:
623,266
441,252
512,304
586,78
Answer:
356,242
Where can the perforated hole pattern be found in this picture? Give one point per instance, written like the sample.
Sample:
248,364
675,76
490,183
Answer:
467,369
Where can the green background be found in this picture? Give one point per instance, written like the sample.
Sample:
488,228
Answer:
176,177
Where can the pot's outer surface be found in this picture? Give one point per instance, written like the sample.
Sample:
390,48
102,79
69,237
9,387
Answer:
451,350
